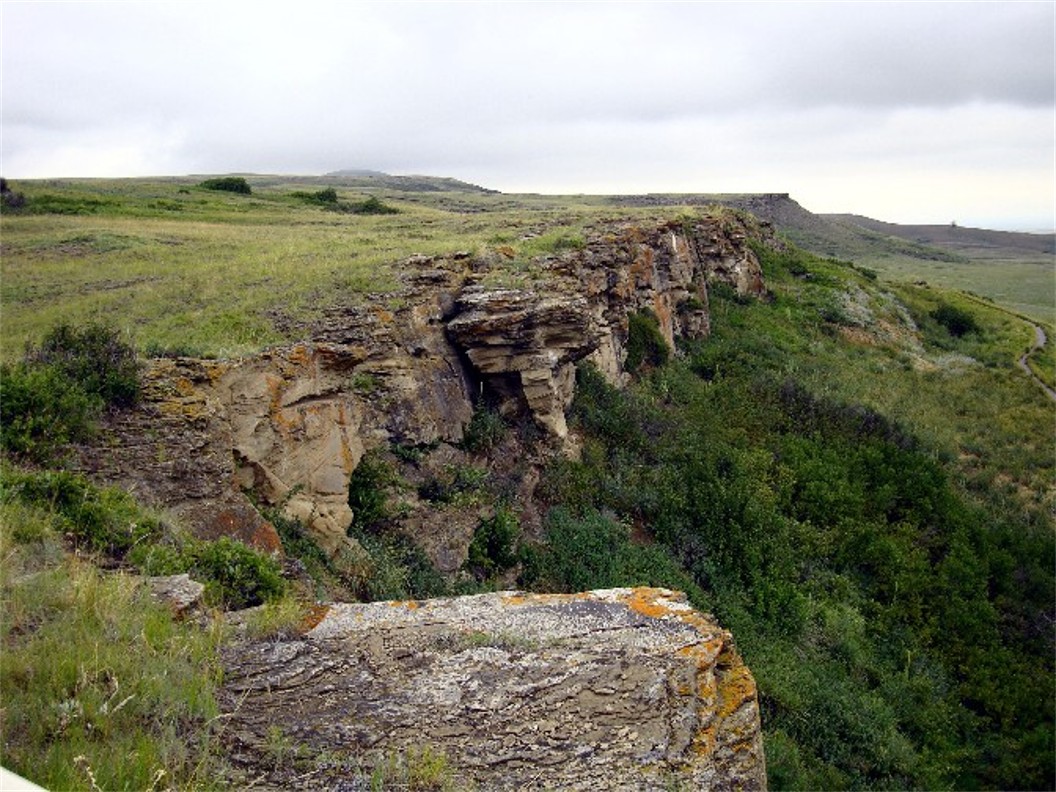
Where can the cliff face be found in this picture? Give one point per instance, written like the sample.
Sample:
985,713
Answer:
607,690
289,426
622,689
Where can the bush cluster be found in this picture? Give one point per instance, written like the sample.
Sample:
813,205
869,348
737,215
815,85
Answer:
957,321
232,184
52,397
646,347
495,544
485,430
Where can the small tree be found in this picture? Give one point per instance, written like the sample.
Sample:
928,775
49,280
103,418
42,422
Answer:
234,184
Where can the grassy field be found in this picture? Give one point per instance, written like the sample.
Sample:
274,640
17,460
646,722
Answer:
1025,285
179,268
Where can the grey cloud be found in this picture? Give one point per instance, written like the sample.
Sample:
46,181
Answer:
545,95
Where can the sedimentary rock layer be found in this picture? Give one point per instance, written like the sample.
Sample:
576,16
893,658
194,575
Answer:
621,689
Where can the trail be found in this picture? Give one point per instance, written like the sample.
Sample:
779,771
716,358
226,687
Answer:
1039,342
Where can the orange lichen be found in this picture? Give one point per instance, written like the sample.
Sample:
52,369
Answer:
408,604
315,614
646,601
735,687
299,355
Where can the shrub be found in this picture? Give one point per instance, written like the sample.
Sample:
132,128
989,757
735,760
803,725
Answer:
494,545
95,358
236,576
957,321
646,346
367,496
371,206
484,431
53,396
233,184
8,198
43,412
324,197
461,485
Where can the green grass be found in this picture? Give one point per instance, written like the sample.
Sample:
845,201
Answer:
218,274
1026,286
101,686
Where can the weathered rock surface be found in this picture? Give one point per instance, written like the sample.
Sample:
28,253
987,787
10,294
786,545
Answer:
288,427
622,689
181,594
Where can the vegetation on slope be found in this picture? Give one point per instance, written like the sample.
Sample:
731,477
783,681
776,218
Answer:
853,477
888,576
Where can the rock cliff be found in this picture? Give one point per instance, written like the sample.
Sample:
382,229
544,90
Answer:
622,689
288,427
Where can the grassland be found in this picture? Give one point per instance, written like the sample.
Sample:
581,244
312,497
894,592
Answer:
188,270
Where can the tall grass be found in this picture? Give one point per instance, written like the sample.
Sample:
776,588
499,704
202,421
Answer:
102,688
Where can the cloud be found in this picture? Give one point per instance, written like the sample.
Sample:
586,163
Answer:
551,96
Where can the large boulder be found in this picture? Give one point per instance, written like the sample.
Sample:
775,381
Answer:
620,689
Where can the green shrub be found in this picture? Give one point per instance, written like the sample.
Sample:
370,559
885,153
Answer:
494,546
460,484
957,321
397,569
373,206
484,431
367,491
95,358
42,412
236,576
324,197
232,184
9,199
646,347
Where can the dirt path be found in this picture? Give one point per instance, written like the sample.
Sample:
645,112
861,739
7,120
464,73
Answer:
1039,342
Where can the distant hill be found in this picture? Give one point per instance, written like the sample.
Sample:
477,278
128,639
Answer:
973,242
360,177
819,234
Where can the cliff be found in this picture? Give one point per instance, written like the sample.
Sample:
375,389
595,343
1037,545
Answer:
288,427
622,689
605,690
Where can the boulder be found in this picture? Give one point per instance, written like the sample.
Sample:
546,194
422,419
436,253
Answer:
619,689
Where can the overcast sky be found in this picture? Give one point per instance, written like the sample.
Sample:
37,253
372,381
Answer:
915,112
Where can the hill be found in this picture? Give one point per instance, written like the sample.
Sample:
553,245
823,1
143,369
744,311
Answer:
354,177
973,242
1014,270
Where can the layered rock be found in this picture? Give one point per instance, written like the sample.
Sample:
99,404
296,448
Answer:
289,426
621,689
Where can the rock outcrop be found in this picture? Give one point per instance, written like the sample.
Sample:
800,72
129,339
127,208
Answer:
622,689
288,427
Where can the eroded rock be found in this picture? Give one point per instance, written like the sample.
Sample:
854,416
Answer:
621,689
289,426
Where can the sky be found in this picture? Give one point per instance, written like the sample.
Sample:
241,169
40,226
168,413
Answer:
921,112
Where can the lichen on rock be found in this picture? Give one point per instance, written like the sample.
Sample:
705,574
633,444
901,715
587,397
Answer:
618,689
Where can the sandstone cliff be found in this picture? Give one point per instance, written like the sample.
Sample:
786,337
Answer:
623,689
288,427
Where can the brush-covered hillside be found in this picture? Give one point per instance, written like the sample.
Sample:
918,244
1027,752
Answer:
849,471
